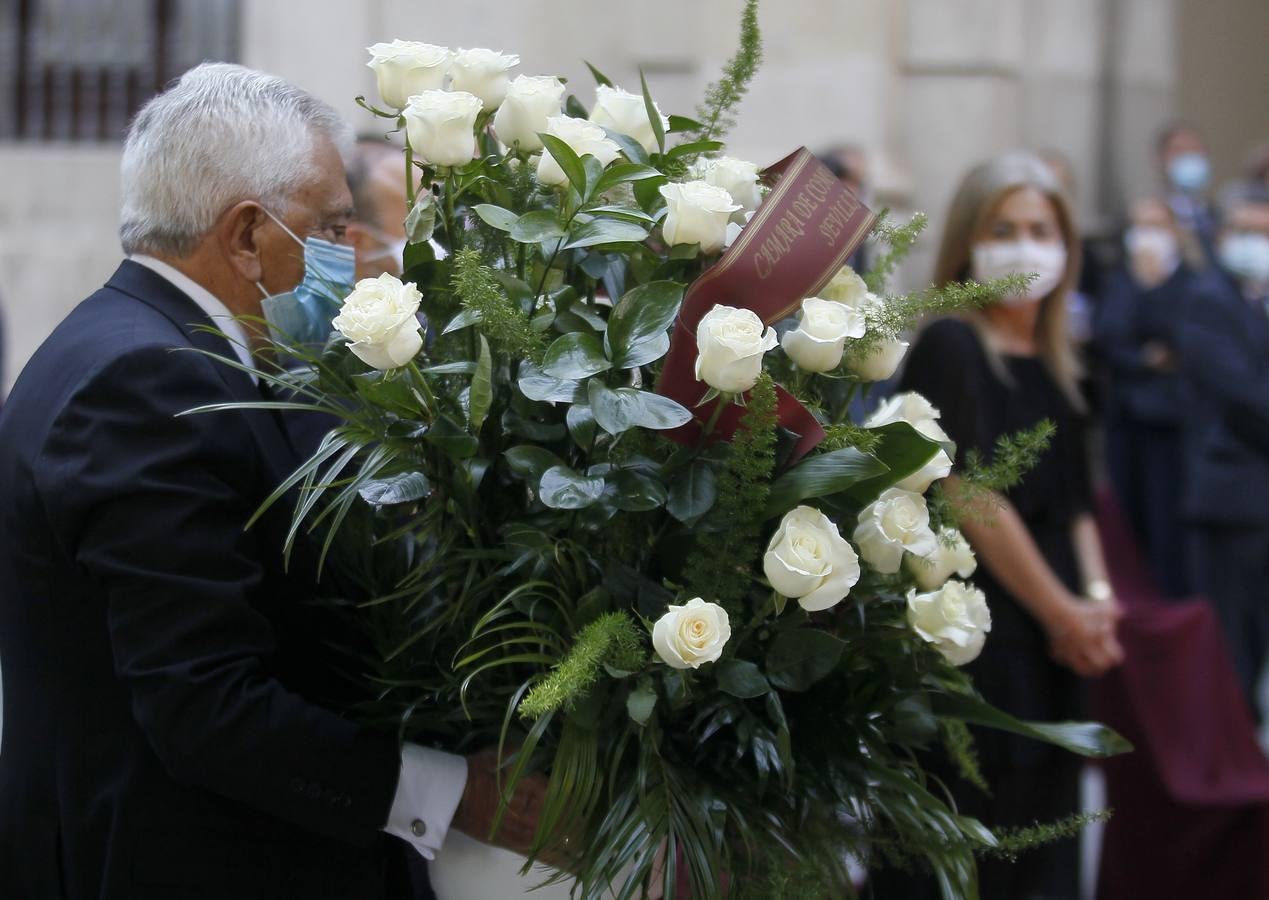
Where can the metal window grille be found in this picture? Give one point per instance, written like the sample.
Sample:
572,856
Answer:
78,70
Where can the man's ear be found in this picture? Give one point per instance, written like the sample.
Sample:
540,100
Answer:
239,234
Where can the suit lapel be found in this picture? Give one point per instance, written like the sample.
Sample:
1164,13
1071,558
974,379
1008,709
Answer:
161,295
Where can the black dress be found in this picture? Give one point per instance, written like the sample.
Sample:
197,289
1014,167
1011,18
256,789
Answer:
1029,781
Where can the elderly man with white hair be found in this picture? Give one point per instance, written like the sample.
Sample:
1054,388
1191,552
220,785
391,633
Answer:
162,737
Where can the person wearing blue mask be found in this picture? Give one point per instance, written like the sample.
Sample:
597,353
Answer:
170,692
1186,171
1224,350
302,316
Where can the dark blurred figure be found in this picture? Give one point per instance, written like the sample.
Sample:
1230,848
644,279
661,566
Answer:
376,179
1136,338
1225,366
1186,171
849,162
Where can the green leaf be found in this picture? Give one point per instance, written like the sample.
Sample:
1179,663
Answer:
481,396
420,222
464,319
627,213
536,227
496,216
1083,738
537,385
528,461
640,703
605,231
574,108
645,352
600,77
741,678
565,488
636,491
629,146
903,450
575,355
694,147
802,656
692,493
581,425
641,314
683,123
658,127
452,368
625,408
404,488
451,439
622,172
569,161
821,475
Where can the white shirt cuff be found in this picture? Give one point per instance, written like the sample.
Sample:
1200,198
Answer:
428,792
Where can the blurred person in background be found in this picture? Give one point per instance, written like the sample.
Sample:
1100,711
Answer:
992,373
1184,166
1136,337
1224,350
376,178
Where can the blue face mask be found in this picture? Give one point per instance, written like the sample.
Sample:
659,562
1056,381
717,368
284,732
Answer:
303,315
1189,172
1246,257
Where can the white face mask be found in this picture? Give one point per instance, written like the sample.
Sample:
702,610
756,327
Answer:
1246,256
1158,244
999,259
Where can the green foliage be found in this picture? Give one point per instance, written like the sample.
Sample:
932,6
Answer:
980,484
612,639
958,741
848,434
724,95
506,326
900,239
724,557
1012,842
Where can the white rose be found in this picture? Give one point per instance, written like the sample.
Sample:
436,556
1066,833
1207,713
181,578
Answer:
809,561
441,126
730,343
918,412
582,137
953,555
736,176
897,521
912,408
689,636
406,68
846,287
483,73
879,362
696,213
530,101
626,113
380,320
823,326
955,619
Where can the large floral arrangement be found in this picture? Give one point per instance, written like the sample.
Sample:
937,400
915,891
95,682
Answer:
666,568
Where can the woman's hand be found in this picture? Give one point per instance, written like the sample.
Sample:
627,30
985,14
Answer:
1082,637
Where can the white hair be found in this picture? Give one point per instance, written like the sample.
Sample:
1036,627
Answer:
222,134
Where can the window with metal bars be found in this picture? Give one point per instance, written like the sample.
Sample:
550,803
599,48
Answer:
77,70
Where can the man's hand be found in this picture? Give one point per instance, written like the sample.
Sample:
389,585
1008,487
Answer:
478,806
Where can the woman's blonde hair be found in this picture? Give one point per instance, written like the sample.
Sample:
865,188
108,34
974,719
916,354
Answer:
978,196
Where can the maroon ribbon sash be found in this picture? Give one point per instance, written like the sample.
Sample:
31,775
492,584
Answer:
802,234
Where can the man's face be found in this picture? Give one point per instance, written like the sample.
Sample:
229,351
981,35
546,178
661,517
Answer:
1179,143
379,243
321,207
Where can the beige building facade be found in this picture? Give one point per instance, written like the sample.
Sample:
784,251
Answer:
928,87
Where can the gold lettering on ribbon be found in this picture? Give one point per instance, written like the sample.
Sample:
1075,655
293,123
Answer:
803,207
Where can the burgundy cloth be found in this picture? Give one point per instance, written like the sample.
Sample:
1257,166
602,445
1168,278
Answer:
1191,804
797,241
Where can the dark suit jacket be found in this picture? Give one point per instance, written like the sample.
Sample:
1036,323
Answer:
160,737
1225,359
1129,317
